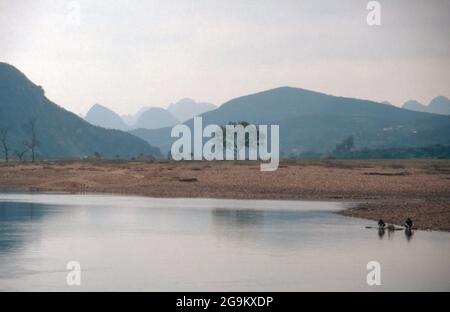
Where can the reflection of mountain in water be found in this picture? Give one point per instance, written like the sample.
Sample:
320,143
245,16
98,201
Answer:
16,221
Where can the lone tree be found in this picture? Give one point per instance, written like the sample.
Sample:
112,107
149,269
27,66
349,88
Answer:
3,136
233,143
33,144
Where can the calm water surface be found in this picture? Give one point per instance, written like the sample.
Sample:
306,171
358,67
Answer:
136,243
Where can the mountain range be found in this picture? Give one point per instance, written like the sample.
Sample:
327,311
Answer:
187,108
438,105
316,122
147,117
104,117
58,133
310,122
154,118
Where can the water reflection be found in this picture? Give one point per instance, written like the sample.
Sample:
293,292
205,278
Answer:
132,243
381,233
237,218
15,217
391,233
244,225
18,211
408,234
268,228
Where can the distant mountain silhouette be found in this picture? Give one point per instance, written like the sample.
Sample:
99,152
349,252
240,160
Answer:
415,106
131,120
439,105
187,108
61,134
315,122
154,118
104,117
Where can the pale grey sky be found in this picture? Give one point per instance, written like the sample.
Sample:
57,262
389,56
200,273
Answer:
128,54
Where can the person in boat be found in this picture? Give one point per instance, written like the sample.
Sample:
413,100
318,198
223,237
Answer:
381,224
408,224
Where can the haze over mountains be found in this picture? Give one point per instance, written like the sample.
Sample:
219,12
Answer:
154,118
438,105
131,119
148,117
60,133
310,122
187,108
315,122
104,117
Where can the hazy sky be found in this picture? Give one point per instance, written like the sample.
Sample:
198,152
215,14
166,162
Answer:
127,54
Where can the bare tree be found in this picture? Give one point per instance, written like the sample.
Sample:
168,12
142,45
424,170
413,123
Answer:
21,153
33,144
3,136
